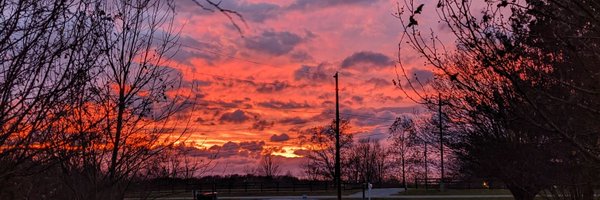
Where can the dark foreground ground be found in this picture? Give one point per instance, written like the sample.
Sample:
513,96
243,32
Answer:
385,193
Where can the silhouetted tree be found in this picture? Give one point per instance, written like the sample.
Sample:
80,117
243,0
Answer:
400,129
46,51
126,111
521,78
366,162
87,97
321,145
269,166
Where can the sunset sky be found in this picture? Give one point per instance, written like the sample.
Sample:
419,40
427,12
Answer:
258,90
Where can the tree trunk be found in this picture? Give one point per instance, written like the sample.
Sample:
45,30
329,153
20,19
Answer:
588,192
115,152
404,173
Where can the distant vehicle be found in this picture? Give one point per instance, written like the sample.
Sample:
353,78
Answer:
205,195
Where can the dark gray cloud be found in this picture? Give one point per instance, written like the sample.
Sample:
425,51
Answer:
197,152
293,120
361,116
300,56
189,41
385,98
255,12
223,105
274,104
422,75
400,110
280,138
229,149
302,152
273,43
375,135
196,83
185,54
326,96
319,4
200,120
327,103
216,151
357,99
367,116
319,73
272,87
237,116
366,59
261,124
252,146
187,6
231,82
379,82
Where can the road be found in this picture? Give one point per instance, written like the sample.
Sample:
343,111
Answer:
378,192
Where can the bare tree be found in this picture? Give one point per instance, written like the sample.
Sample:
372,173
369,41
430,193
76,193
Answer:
310,170
399,132
366,162
46,50
176,162
125,117
321,145
512,82
269,166
86,95
415,143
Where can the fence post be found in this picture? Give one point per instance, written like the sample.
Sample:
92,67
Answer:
277,186
363,190
416,183
261,186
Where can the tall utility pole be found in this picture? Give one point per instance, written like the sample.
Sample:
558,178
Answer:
338,179
441,141
426,168
403,161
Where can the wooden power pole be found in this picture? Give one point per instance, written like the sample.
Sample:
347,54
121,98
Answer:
441,141
338,176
